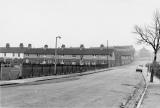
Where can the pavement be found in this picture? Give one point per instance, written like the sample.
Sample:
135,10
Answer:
152,96
28,80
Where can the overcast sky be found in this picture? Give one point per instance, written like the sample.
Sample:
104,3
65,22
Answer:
88,22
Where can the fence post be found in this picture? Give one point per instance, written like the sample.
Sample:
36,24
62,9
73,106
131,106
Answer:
71,68
42,69
80,68
49,69
20,69
1,71
62,69
56,73
76,68
32,70
67,69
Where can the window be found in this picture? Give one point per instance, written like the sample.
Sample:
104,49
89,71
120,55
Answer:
13,54
26,54
94,55
18,54
5,54
73,55
62,55
45,55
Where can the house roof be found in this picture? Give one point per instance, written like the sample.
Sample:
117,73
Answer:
13,50
69,51
122,50
39,51
85,51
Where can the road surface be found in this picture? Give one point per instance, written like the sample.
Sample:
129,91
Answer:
100,90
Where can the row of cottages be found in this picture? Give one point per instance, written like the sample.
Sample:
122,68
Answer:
81,55
16,54
77,55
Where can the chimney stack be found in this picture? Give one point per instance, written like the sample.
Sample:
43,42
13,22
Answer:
21,45
101,46
45,46
29,45
81,46
7,45
63,46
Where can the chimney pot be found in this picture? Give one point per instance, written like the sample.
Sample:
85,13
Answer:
7,45
81,46
63,46
29,45
45,46
21,45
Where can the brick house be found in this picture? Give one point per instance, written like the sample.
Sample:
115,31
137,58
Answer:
12,53
112,56
71,55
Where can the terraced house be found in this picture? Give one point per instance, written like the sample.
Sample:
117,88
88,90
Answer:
112,56
75,55
15,54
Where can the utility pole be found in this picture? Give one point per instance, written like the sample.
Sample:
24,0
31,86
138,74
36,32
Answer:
107,54
55,55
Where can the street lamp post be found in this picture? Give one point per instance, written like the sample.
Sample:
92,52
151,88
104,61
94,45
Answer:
55,55
107,55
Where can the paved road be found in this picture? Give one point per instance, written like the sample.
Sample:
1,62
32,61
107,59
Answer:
101,90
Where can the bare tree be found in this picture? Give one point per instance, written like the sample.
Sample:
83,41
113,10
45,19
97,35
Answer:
150,35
